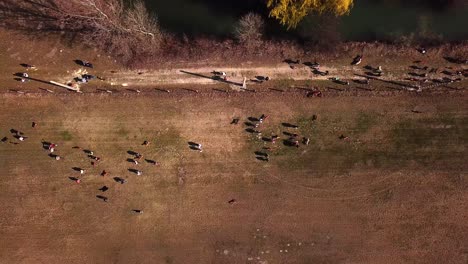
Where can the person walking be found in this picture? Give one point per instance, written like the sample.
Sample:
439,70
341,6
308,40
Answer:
274,138
296,143
52,147
262,118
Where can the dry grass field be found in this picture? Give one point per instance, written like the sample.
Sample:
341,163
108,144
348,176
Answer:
395,191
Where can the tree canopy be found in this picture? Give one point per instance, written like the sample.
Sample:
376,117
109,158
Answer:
291,12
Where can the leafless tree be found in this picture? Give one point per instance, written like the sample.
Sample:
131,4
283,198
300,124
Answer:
249,29
125,31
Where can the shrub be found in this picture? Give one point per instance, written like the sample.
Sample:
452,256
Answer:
249,30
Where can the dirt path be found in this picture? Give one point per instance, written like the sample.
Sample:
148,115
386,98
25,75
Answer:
55,62
283,74
186,76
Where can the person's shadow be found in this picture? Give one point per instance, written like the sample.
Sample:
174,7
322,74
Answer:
118,179
131,152
83,63
87,151
289,125
45,145
262,158
102,198
133,171
103,188
215,78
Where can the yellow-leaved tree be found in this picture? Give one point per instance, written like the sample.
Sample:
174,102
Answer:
291,12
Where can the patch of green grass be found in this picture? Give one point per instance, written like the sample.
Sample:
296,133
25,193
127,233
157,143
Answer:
306,124
66,135
440,133
168,138
365,121
430,140
397,143
284,83
122,132
412,141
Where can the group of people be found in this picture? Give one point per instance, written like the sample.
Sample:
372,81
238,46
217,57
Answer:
293,138
375,72
20,136
51,149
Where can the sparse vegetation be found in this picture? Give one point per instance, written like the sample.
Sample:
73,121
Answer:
66,135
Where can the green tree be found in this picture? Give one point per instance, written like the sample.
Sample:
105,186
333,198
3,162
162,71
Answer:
291,12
